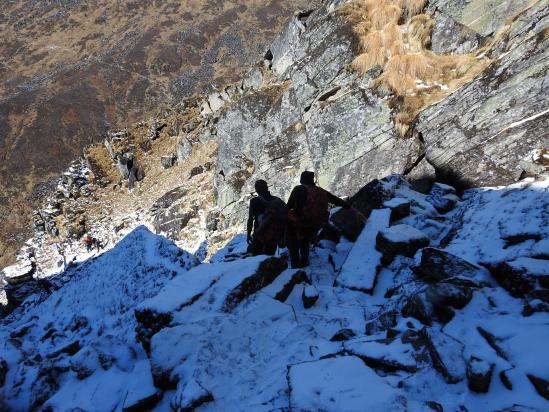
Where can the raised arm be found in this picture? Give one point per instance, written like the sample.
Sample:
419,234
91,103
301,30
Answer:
337,201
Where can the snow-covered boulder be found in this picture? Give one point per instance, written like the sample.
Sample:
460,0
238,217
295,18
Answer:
339,384
522,275
215,287
442,197
479,374
448,294
22,271
17,294
343,335
399,206
400,240
365,200
418,307
309,296
284,284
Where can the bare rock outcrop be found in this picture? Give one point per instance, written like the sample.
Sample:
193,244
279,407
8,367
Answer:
480,134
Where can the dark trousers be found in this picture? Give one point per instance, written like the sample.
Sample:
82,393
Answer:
259,248
299,242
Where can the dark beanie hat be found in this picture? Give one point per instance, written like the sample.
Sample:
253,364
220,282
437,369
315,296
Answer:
307,178
261,186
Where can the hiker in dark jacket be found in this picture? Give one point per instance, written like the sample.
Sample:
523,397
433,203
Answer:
267,219
308,205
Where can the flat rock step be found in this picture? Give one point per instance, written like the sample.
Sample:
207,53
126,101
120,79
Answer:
400,240
389,357
284,284
340,384
360,270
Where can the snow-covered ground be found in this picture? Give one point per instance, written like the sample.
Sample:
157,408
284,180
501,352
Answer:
144,326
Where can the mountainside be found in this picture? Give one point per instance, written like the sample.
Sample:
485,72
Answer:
71,70
429,117
369,322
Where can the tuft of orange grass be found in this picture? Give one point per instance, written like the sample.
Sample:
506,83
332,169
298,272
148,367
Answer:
419,30
395,35
413,7
365,61
382,15
391,35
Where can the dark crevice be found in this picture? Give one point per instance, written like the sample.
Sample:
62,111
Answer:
418,160
303,15
326,95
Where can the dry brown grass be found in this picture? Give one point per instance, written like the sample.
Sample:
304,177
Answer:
395,35
101,163
382,15
419,31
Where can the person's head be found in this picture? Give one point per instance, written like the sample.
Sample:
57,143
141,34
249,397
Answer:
261,187
307,178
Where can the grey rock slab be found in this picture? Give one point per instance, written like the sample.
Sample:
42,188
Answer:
22,271
446,355
172,220
168,198
215,101
450,36
184,149
482,16
253,79
478,135
352,140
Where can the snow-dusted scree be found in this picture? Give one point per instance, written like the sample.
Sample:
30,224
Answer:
461,325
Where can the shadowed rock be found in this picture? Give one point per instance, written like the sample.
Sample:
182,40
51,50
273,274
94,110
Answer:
436,265
479,374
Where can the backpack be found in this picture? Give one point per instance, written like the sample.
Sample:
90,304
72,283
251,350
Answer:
272,222
315,212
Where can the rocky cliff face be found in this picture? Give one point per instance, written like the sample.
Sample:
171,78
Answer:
315,113
492,131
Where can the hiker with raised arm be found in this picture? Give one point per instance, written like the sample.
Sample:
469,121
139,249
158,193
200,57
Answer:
266,221
308,205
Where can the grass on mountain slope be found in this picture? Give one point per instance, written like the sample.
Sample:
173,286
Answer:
396,36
